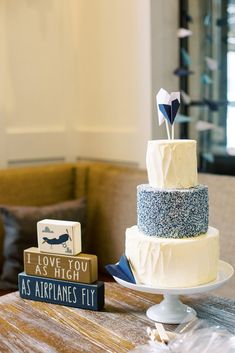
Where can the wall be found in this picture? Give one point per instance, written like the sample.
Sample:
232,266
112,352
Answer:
114,78
76,78
38,66
164,55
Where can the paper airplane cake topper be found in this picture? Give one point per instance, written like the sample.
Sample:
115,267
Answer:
167,106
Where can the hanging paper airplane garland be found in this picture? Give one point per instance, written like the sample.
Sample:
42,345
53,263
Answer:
182,71
167,106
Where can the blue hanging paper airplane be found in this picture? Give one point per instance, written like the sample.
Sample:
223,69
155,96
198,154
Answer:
207,20
185,57
209,157
121,270
181,118
206,80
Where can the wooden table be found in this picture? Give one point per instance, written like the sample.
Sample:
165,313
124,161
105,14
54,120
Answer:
28,326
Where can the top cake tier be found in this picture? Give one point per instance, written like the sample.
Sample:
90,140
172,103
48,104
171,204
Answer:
172,164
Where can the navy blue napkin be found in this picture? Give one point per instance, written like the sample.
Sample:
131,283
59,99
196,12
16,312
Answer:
121,270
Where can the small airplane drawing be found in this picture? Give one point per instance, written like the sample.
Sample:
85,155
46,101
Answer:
63,238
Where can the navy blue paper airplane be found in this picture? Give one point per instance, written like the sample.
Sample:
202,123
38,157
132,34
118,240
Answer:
187,16
220,22
121,270
170,110
213,105
181,71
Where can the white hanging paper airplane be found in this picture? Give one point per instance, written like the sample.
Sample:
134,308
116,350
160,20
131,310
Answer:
204,126
184,32
231,151
212,64
186,98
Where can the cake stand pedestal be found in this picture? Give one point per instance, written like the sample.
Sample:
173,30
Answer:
171,310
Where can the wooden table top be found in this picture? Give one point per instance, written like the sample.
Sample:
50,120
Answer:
28,326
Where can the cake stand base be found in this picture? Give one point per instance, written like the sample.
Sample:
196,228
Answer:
171,311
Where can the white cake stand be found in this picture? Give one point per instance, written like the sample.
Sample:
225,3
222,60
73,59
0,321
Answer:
171,310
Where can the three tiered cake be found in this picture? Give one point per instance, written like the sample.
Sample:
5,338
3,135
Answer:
172,245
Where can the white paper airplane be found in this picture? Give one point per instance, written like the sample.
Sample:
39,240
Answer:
162,97
204,125
184,32
186,98
212,64
231,151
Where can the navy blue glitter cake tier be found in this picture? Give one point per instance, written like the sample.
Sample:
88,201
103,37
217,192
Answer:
175,213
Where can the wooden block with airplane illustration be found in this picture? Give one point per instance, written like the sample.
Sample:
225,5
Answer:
75,268
59,237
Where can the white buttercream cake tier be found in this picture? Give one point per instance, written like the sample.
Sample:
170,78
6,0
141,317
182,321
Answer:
165,262
172,164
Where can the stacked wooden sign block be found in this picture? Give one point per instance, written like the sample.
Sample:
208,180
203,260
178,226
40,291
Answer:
58,272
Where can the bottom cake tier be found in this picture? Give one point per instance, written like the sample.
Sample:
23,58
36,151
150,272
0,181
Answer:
185,262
